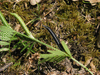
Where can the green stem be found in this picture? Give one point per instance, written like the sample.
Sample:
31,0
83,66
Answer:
82,65
45,44
34,39
3,20
22,24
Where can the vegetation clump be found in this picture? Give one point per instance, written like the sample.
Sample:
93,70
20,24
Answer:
72,22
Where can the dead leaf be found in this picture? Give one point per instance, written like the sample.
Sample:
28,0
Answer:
52,73
75,0
93,2
88,61
34,2
93,67
17,27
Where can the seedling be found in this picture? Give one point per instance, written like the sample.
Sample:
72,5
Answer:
55,55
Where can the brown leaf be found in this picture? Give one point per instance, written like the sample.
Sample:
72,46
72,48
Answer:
34,2
93,67
93,2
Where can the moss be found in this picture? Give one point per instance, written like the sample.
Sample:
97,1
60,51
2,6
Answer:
74,27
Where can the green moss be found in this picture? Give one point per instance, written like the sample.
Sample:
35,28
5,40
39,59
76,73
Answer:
75,28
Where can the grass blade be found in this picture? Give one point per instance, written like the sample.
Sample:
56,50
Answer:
4,49
22,24
3,20
4,43
66,48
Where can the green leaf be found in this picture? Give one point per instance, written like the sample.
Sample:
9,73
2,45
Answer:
4,43
16,45
26,46
4,20
30,49
60,59
42,61
6,33
4,49
66,48
14,38
6,29
23,24
54,56
4,38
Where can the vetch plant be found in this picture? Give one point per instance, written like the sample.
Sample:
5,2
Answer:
7,34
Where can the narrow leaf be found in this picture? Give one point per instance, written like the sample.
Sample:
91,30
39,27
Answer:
3,20
22,24
4,49
66,48
4,38
30,48
54,56
25,47
4,43
42,61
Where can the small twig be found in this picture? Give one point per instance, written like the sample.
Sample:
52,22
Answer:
6,66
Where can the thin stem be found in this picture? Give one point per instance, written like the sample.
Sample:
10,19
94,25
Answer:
82,65
34,39
45,44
